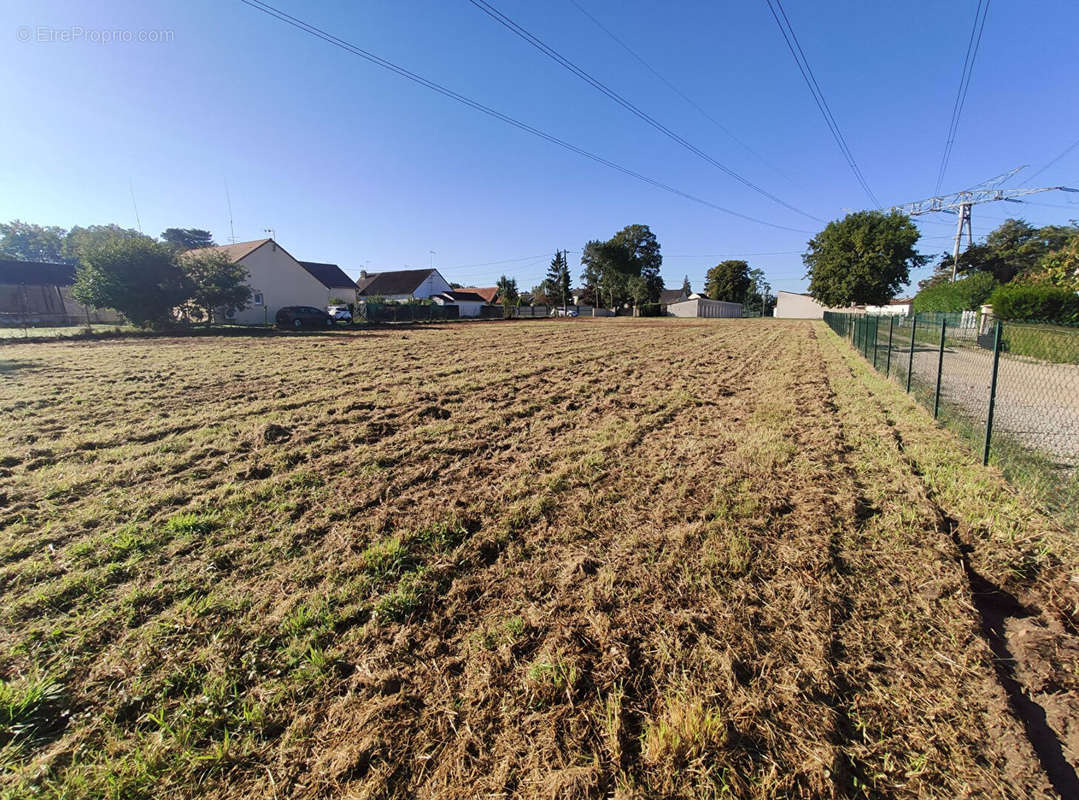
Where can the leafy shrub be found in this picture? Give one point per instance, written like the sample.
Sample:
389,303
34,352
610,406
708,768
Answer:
966,294
1046,303
1058,345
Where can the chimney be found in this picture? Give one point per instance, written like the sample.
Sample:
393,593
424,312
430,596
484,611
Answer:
363,274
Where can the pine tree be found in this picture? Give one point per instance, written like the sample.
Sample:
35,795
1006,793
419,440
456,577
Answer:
686,290
558,277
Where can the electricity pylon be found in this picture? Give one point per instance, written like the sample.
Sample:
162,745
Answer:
961,203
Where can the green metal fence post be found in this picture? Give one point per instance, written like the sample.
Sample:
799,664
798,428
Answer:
876,337
888,363
910,357
940,369
992,394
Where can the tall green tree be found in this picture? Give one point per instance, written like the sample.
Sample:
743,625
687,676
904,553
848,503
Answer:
633,251
728,281
759,296
686,289
866,257
135,276
188,238
557,284
80,239
641,256
508,294
1016,248
215,282
637,290
25,241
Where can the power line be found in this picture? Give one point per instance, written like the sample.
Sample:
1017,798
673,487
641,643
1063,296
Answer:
818,96
1067,150
266,8
964,84
509,24
673,88
734,255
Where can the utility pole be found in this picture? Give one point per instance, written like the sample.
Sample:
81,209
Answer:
962,203
964,219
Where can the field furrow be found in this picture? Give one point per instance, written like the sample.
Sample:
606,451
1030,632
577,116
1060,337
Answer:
560,559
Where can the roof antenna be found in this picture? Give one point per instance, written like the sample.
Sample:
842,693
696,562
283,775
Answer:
228,199
272,232
138,222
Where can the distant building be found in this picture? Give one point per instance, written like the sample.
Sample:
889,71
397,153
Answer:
402,284
337,283
705,308
895,308
668,296
796,305
276,279
488,293
39,293
467,301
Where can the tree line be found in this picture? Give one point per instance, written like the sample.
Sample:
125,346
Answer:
624,271
150,282
1021,270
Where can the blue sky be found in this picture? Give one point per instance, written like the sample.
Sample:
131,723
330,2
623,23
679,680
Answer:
351,164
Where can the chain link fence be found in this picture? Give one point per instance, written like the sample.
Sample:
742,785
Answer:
1011,389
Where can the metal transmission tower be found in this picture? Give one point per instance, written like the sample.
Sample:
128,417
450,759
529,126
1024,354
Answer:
961,203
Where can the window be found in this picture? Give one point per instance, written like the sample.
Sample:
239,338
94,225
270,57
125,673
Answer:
257,299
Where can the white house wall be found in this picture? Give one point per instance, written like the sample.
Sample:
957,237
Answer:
469,308
790,305
281,281
433,284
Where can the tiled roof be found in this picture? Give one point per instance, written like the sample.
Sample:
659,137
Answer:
488,293
329,275
402,281
235,251
465,295
36,273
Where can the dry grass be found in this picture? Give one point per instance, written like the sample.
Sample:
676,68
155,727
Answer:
553,559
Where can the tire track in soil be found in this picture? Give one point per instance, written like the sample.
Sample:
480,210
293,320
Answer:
994,606
849,772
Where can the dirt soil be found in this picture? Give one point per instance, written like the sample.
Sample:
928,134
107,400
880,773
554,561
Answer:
550,559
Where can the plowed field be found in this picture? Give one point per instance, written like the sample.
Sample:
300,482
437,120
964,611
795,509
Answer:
557,559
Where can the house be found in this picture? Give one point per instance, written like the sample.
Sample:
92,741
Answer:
900,307
276,279
469,302
38,292
489,293
402,284
338,285
703,307
668,296
796,305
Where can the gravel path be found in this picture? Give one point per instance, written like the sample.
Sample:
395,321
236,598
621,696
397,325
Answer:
1037,403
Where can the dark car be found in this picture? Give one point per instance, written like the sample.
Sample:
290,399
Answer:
302,317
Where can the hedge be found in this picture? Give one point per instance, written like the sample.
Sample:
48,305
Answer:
1042,303
966,294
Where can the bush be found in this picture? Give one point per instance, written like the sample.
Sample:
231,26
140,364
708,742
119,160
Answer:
136,276
966,294
1043,303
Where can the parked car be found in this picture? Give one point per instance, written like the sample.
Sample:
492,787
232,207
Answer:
563,312
301,317
340,314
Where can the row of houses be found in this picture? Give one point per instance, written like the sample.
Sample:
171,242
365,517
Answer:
278,279
40,293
